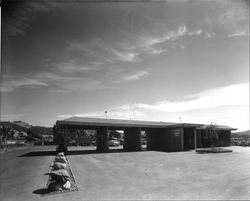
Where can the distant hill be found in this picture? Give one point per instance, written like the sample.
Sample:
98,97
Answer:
20,126
241,138
16,126
241,134
41,130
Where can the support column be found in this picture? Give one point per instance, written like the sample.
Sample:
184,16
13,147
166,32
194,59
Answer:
182,139
150,139
195,139
102,144
132,139
199,145
63,141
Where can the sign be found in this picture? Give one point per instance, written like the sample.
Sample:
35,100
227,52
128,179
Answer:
177,132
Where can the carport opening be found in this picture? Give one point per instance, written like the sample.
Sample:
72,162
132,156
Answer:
115,138
143,139
82,138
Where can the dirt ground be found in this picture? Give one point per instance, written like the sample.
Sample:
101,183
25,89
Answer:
145,175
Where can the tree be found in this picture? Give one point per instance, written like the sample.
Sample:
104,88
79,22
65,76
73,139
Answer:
33,133
56,134
211,135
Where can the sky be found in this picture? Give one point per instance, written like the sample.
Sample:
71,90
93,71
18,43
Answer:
175,61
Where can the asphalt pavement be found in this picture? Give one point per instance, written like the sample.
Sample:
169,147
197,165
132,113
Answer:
146,175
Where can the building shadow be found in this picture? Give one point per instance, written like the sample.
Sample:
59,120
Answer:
74,152
42,191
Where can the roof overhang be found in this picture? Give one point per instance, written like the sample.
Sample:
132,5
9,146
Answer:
216,127
121,123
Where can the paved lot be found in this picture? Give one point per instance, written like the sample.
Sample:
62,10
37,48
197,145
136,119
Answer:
146,175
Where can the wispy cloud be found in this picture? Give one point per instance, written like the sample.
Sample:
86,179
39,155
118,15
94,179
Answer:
110,114
56,82
124,56
133,77
238,34
150,43
79,47
10,85
17,16
85,84
224,96
233,95
234,17
72,67
66,84
210,35
98,50
233,12
211,102
60,91
171,36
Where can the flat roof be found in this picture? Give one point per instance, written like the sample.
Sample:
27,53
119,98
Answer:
216,127
83,121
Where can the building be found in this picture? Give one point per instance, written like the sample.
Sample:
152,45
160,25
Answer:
161,136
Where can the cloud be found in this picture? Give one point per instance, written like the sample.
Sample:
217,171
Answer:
77,46
233,95
234,16
156,51
133,77
172,36
79,56
56,82
149,43
110,114
224,105
18,15
79,85
233,12
210,35
14,83
72,67
238,34
124,56
60,91
51,76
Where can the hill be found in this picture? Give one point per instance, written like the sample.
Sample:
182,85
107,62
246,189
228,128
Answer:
22,124
241,134
241,138
9,129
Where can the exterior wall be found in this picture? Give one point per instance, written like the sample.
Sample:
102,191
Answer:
177,139
154,139
132,139
165,139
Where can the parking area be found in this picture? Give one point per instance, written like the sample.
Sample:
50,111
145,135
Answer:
146,175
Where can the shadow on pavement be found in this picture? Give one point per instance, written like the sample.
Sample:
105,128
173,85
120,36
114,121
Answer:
72,152
41,191
39,153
